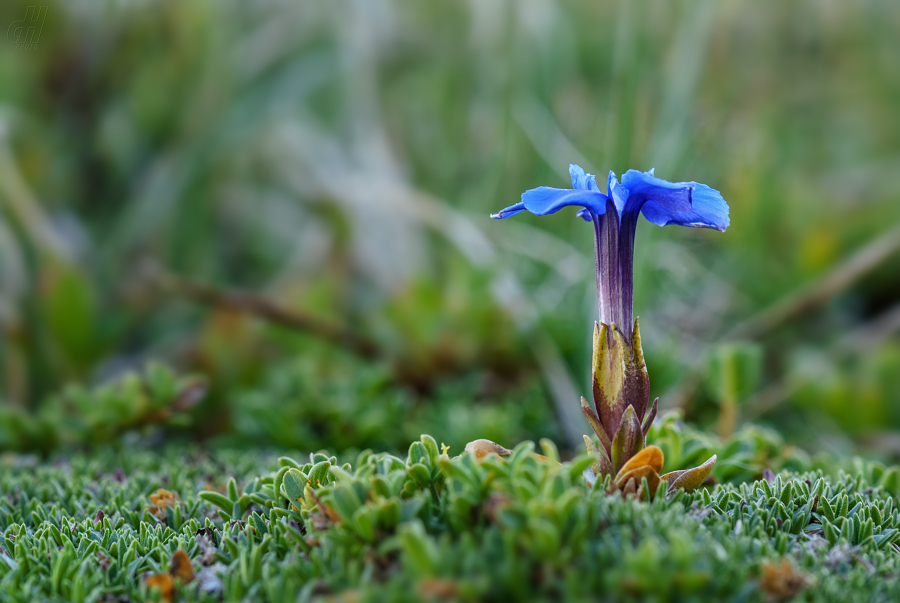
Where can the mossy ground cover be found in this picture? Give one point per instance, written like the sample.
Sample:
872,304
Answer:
431,526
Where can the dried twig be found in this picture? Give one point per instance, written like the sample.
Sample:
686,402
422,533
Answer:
261,307
816,294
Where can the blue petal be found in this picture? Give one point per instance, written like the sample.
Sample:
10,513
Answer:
682,203
616,192
545,200
585,214
509,211
582,180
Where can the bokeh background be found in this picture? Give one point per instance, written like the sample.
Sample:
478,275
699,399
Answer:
281,208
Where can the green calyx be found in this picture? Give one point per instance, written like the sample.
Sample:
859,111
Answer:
621,390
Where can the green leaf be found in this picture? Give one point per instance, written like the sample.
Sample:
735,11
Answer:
419,552
550,450
787,494
577,465
258,523
409,508
594,421
222,502
628,439
285,461
318,475
293,486
431,446
278,483
233,493
420,474
363,522
417,454
345,501
734,371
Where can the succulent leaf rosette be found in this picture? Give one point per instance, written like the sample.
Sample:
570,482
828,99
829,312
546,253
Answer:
621,387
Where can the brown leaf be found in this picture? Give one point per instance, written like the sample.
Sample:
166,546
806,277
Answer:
164,498
326,511
435,588
181,567
651,455
345,596
782,581
165,584
648,420
671,475
482,448
160,501
690,479
637,475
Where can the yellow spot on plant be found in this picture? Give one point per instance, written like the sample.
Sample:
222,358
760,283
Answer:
165,584
639,471
608,364
643,471
651,456
481,448
180,569
161,500
781,581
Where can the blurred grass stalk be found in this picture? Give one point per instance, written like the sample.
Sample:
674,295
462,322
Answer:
46,249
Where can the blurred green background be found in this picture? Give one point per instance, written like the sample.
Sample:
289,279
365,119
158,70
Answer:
287,204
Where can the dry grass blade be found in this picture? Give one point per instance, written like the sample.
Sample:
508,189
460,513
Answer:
829,285
266,309
24,207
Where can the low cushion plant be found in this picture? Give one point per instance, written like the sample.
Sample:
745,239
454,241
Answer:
187,526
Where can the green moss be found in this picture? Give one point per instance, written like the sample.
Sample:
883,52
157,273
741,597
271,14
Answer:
431,527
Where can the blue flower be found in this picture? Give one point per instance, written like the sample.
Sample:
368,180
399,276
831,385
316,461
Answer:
615,215
621,385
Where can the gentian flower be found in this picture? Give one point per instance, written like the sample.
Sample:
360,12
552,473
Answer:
615,215
621,384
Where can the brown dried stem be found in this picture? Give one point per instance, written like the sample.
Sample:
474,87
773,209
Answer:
268,310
